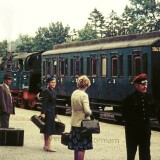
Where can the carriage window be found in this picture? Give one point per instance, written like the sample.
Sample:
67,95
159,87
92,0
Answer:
103,66
54,68
121,65
44,67
48,68
66,67
62,67
137,65
145,63
81,66
88,66
129,65
114,66
94,66
76,66
71,67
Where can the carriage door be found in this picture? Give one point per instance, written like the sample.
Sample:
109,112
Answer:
54,66
137,63
75,71
113,77
46,72
94,91
62,80
103,76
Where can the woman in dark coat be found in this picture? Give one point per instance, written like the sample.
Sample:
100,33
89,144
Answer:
49,113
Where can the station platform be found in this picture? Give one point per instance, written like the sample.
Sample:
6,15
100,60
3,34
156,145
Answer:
108,145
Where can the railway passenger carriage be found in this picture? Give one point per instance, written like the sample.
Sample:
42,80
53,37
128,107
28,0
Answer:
111,64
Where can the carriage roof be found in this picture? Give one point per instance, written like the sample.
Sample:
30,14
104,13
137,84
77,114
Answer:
107,43
22,56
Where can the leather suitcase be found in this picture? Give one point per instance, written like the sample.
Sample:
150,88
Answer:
59,128
38,121
11,137
65,138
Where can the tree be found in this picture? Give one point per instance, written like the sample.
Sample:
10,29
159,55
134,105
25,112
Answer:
112,25
47,37
26,44
3,48
58,33
41,40
144,16
96,20
87,33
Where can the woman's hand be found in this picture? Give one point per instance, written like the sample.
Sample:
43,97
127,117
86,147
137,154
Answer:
42,115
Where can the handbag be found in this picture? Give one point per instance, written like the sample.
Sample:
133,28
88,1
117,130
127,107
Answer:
59,127
38,121
65,138
90,127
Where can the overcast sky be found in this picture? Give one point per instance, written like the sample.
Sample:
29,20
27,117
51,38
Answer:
26,16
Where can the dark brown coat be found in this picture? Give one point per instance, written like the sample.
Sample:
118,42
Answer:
6,105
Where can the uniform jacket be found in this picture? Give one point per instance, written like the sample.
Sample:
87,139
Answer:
136,110
80,107
6,105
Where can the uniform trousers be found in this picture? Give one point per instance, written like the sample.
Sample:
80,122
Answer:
4,120
138,138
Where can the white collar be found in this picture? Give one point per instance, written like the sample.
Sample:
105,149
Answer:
6,85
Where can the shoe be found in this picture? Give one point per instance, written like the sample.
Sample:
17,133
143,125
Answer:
48,149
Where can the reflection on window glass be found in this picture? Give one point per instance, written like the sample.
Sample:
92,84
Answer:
66,67
54,68
103,66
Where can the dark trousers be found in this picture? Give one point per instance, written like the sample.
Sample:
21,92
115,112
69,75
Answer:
139,139
4,120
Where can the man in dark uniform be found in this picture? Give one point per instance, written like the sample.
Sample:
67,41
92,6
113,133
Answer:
6,105
136,113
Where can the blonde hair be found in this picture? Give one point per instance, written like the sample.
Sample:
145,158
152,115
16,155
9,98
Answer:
83,82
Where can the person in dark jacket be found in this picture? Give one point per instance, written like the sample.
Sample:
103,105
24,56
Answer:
136,113
6,104
49,113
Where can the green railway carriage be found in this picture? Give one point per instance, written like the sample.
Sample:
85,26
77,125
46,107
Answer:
111,65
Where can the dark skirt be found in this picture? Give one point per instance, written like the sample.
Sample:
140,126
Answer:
78,142
49,128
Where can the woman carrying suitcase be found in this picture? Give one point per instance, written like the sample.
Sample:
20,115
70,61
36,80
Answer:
80,110
49,113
